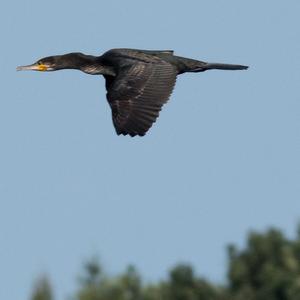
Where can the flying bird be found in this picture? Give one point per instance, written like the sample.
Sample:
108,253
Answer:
138,82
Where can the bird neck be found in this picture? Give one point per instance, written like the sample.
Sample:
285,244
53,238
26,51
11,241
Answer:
86,63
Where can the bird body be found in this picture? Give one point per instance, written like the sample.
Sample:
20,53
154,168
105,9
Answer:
138,82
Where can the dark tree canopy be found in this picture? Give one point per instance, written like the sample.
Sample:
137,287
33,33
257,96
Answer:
267,269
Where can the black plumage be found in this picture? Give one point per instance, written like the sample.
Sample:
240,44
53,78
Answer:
138,82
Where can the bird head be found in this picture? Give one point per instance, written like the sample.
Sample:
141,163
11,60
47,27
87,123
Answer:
57,62
49,63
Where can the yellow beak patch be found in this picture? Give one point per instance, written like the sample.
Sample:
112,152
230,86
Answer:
42,67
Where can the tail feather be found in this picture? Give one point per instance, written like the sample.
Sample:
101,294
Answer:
191,65
217,66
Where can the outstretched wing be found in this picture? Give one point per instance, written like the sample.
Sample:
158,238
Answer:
137,94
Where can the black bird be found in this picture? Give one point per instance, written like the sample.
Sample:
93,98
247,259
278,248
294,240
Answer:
138,82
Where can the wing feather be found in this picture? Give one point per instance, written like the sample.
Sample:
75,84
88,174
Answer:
137,94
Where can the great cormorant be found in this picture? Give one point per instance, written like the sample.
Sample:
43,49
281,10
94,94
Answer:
138,82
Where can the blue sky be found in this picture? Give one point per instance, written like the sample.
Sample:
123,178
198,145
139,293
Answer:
222,159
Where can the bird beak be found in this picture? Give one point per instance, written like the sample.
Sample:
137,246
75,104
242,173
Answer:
33,67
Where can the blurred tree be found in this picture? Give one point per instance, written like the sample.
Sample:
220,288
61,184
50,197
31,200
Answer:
42,289
184,285
93,273
97,286
131,284
268,268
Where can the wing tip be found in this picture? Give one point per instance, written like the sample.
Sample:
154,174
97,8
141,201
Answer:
131,134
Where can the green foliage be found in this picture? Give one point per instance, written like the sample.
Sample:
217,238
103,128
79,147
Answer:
184,285
97,286
267,269
42,289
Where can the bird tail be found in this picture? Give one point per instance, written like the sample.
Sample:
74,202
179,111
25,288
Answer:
191,65
217,66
